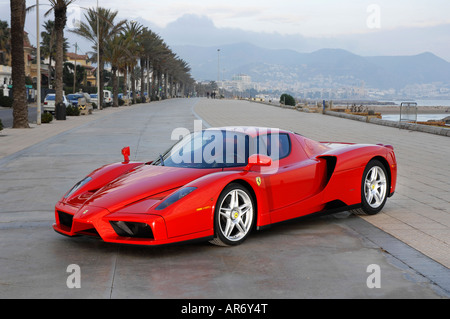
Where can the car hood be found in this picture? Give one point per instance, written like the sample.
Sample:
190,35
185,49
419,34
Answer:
143,182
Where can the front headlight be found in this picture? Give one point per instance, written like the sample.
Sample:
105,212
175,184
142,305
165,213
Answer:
179,194
78,186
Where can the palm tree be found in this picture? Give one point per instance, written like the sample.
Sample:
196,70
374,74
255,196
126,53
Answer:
159,63
133,32
146,38
152,56
155,48
59,8
48,44
115,54
5,40
180,76
106,30
20,107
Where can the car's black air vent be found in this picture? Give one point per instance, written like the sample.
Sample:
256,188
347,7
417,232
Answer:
131,229
65,219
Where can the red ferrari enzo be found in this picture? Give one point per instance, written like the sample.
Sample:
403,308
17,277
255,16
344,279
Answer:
220,184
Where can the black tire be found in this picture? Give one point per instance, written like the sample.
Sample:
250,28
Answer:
233,218
374,189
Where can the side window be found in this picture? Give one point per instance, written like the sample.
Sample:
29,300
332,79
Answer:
277,146
285,145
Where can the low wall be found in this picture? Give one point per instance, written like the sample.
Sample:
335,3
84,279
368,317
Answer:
401,125
374,120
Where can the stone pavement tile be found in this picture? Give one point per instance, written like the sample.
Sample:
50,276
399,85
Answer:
418,214
14,140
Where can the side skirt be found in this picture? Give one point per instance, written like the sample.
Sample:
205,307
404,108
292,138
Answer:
330,211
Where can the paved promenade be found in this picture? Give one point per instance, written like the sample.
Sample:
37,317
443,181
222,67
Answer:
14,140
419,212
324,257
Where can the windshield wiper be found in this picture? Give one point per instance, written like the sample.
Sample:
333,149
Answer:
161,160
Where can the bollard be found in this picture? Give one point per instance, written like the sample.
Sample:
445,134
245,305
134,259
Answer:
60,111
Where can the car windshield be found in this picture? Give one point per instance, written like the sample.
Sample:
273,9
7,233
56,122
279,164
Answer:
50,97
223,148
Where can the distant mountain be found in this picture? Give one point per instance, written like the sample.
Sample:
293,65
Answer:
200,30
331,66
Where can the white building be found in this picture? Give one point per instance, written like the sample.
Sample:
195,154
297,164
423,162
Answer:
5,78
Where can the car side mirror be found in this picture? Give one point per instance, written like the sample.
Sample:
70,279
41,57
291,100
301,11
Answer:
126,154
258,160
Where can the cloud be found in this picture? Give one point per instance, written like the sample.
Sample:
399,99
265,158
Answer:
202,31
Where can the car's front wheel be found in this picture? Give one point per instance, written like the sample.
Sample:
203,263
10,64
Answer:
374,189
234,216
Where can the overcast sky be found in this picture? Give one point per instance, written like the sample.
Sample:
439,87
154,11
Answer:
309,18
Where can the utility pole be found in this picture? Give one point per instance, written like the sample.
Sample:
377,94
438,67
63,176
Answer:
75,69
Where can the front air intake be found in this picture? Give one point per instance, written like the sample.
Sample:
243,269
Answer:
132,229
65,219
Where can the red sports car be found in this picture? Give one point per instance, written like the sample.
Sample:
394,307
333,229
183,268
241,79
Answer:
219,184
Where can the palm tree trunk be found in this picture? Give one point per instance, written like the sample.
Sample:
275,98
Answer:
125,83
153,86
60,22
20,107
115,91
133,84
148,80
101,99
159,83
166,81
142,79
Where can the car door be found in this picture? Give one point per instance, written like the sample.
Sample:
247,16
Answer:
294,180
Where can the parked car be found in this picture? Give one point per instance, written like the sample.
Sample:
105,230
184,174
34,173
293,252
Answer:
221,183
73,98
49,103
94,98
107,98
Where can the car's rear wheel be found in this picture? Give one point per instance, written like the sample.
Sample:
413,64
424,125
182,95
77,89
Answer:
234,216
374,189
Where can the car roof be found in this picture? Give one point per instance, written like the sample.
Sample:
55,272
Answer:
249,130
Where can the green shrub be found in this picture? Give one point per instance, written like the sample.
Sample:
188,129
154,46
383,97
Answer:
121,102
72,111
6,101
287,99
46,118
1,125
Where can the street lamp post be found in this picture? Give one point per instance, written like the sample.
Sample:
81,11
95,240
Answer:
99,103
218,71
38,46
